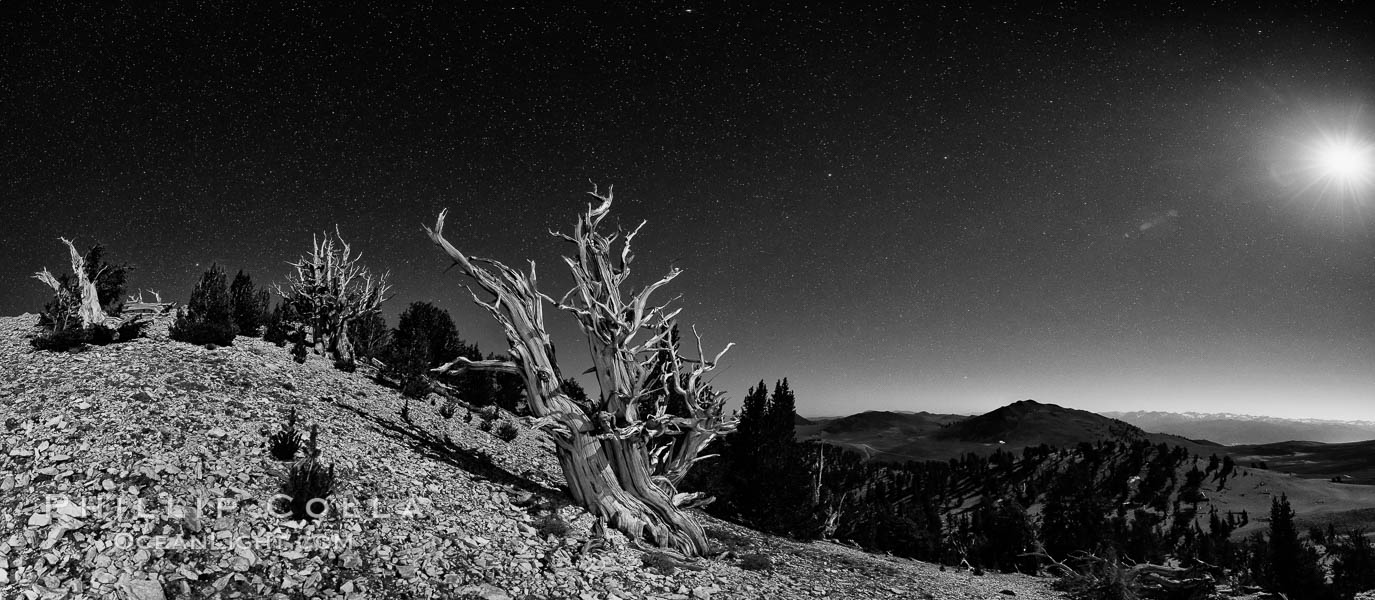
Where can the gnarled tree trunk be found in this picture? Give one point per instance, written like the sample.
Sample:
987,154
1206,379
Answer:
329,289
603,447
86,304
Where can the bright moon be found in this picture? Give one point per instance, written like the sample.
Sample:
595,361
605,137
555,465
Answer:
1344,161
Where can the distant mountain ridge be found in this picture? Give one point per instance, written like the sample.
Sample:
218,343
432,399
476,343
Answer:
902,436
1232,429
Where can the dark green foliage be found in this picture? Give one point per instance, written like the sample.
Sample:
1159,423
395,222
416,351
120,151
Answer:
312,447
299,351
1353,569
766,479
250,305
447,410
209,315
756,562
284,444
503,390
63,340
109,280
507,431
1002,533
281,324
485,425
425,337
1073,517
75,339
370,336
1294,570
307,487
575,391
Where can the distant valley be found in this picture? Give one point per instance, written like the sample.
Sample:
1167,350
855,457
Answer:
1229,429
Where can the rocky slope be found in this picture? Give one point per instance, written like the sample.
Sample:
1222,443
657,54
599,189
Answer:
158,449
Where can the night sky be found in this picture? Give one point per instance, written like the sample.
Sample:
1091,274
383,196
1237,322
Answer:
943,209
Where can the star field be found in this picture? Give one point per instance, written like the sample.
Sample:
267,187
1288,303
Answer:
942,208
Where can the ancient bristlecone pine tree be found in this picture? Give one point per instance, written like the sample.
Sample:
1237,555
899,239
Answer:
603,445
86,307
329,289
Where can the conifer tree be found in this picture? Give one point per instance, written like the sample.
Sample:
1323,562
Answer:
425,337
281,324
250,304
209,315
1294,569
1353,569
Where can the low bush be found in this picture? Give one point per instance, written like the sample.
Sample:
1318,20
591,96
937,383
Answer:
307,486
756,562
75,339
507,431
286,442
658,561
551,524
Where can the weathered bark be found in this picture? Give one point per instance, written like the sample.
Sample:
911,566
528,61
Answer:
330,289
602,448
85,305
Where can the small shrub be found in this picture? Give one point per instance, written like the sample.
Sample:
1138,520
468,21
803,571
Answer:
507,431
346,366
551,524
485,425
417,386
307,483
312,450
75,338
488,413
286,442
298,352
658,561
447,410
756,562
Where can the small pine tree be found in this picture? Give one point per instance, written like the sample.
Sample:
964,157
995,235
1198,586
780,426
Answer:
1294,569
250,304
209,315
425,337
283,325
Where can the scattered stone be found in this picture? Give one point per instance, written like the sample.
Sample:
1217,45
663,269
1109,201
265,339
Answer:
143,589
39,520
217,433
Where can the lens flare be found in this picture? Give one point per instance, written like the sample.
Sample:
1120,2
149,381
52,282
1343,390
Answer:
1344,163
